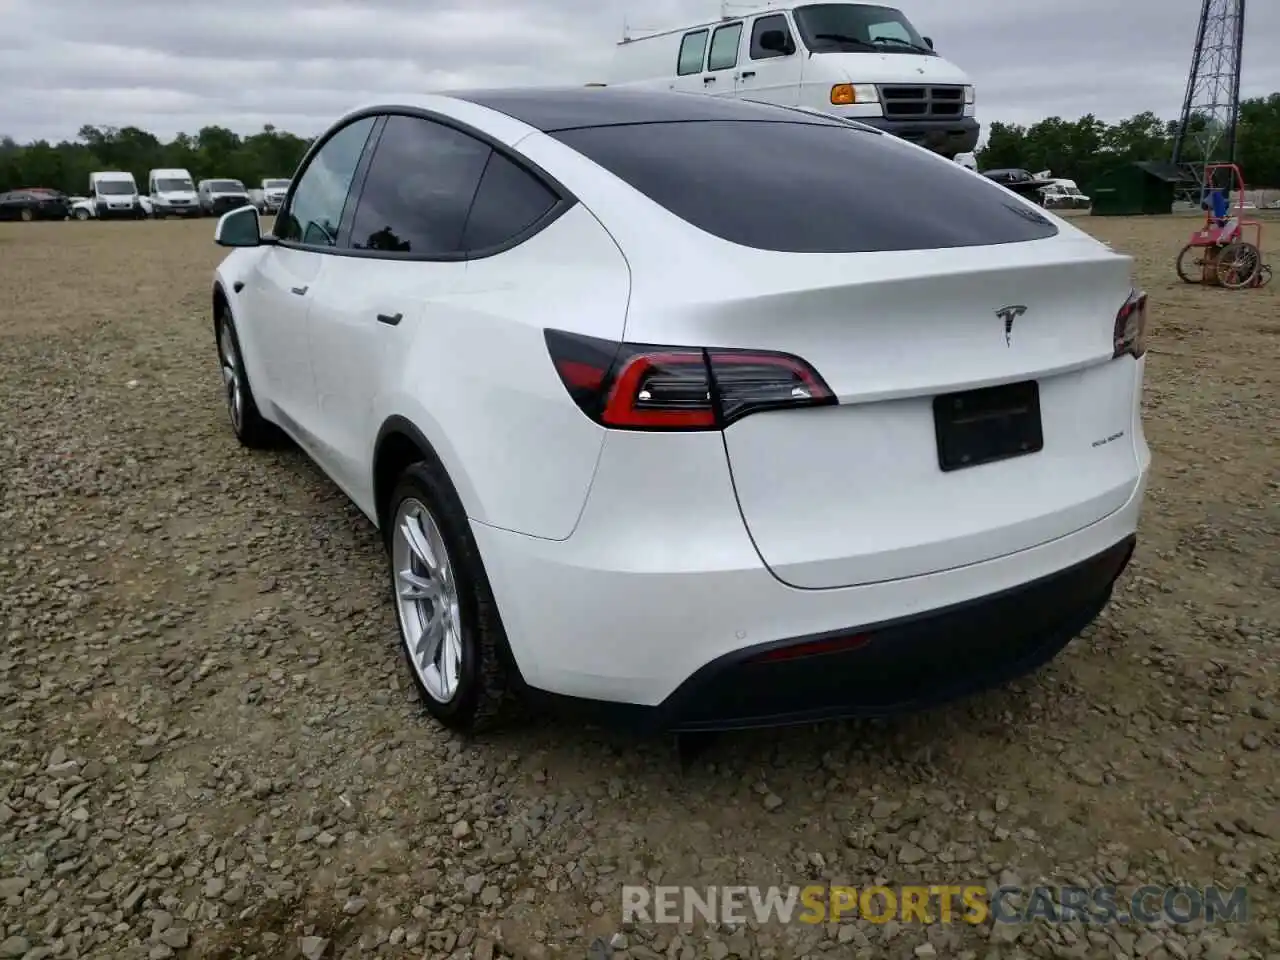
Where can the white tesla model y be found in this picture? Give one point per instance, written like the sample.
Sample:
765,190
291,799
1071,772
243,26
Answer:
704,412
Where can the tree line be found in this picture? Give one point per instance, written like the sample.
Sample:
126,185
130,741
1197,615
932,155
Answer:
1084,149
213,152
1080,149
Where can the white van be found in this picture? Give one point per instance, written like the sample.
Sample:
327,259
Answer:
112,193
862,61
172,193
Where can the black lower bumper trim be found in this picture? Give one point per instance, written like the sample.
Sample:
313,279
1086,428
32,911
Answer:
892,667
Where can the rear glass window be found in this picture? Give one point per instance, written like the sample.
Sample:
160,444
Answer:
823,187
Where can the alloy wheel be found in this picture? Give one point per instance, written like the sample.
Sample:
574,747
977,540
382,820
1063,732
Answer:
427,600
230,358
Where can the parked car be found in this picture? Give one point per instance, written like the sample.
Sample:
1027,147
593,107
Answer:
219,196
703,458
1062,193
33,204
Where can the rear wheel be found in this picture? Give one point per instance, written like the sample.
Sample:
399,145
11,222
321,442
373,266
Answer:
450,631
1238,265
1190,264
27,215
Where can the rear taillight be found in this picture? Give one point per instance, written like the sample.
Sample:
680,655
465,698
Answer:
1131,326
643,387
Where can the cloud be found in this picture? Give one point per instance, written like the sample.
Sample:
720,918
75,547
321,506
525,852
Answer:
297,64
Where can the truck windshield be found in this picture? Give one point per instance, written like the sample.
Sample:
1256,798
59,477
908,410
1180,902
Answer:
845,27
173,186
226,186
275,184
116,188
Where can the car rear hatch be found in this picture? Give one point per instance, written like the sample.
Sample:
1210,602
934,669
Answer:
980,409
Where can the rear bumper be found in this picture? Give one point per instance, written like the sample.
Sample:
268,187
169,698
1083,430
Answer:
885,668
948,136
659,598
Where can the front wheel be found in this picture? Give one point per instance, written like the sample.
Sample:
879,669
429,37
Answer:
1190,264
82,215
450,631
250,427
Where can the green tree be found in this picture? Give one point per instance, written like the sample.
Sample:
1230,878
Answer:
1079,149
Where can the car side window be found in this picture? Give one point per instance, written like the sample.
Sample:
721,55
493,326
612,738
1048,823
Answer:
692,48
508,202
762,25
724,47
419,189
315,210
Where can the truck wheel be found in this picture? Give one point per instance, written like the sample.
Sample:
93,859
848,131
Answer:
82,214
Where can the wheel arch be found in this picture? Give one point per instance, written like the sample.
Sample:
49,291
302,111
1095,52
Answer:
399,443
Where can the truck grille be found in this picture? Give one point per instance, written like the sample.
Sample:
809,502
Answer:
922,102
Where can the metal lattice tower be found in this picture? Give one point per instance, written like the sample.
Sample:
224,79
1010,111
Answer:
1211,108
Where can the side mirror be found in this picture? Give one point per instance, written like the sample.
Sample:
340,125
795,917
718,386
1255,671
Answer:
239,228
776,41
928,42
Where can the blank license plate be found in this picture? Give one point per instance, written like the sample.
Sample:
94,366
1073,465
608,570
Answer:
982,426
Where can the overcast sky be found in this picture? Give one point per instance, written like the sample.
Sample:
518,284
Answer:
169,66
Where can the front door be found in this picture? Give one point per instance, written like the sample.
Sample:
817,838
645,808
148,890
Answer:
769,75
293,269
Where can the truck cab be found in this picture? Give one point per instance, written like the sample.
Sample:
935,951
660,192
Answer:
864,62
172,193
273,193
113,194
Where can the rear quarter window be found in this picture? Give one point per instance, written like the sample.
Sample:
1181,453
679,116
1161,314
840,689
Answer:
800,187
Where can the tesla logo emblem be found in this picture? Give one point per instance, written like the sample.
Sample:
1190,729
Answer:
1008,315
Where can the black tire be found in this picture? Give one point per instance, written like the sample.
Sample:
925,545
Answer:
27,215
1239,265
1186,273
485,695
250,428
81,215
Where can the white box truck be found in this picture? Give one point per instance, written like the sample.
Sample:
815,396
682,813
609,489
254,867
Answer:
861,61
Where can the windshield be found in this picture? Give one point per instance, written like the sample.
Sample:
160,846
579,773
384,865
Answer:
116,188
173,186
842,27
275,184
226,186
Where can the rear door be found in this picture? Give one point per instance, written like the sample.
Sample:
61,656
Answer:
405,258
720,78
691,60
770,76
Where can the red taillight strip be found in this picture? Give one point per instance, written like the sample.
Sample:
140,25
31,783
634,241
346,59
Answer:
619,409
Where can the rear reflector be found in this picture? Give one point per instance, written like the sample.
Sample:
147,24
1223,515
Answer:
813,648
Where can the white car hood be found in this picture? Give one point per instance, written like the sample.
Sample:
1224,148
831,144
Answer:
171,196
893,68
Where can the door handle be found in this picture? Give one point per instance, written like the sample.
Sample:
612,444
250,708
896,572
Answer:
390,319
300,291
748,73
707,80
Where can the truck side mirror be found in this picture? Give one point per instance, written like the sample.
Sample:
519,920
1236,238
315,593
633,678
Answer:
928,42
777,41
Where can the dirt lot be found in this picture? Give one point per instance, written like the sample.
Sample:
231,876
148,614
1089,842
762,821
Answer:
210,747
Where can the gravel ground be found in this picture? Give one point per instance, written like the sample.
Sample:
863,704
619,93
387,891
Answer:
210,746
